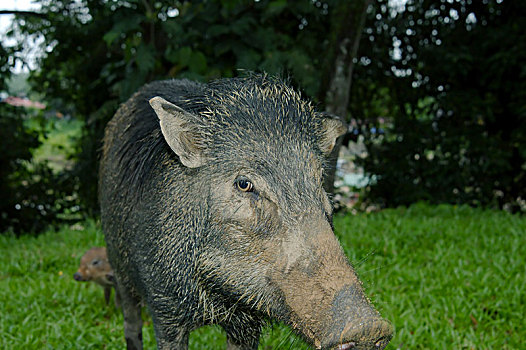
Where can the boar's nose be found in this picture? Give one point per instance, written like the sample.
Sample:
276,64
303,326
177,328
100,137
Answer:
77,276
356,324
370,334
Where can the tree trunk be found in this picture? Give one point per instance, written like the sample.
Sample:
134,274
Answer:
349,19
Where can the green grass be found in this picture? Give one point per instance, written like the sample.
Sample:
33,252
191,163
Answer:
447,277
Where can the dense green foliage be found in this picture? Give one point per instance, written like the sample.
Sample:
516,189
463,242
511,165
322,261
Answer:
102,52
33,196
16,143
443,80
443,275
448,82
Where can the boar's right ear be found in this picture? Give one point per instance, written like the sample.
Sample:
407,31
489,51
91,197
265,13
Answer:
180,131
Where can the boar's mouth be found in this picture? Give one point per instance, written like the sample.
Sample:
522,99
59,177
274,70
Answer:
354,345
372,334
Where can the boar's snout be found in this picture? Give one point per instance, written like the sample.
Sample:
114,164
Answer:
371,334
356,324
78,277
328,306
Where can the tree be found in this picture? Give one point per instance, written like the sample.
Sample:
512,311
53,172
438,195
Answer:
438,77
33,197
449,76
99,53
347,23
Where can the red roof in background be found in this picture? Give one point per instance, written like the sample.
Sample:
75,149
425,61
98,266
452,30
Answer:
23,102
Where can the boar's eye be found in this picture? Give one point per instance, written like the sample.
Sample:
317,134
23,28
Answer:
95,262
243,184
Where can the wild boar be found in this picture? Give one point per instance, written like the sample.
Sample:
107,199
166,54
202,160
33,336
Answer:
94,266
214,212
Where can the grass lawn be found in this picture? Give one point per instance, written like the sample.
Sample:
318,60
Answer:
447,277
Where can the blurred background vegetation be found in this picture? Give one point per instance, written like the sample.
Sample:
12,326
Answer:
433,91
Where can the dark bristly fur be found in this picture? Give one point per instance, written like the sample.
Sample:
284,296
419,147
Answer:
186,240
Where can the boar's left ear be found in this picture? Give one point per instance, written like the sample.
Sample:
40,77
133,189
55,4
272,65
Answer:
181,132
331,127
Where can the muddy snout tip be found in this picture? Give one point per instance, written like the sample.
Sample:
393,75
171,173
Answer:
77,277
374,337
380,344
346,346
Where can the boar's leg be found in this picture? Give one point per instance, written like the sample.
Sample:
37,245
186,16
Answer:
117,299
242,336
107,294
131,309
170,336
